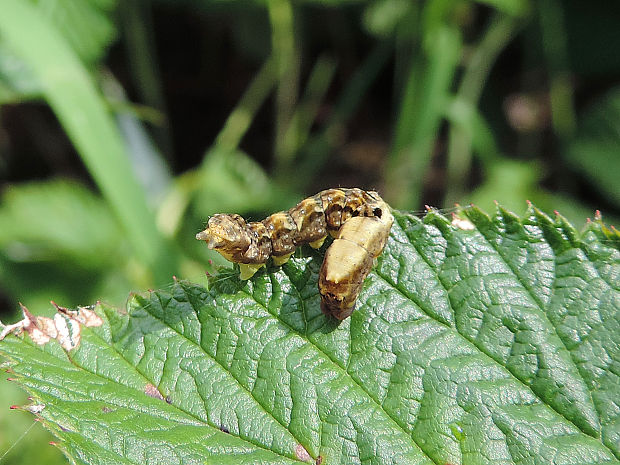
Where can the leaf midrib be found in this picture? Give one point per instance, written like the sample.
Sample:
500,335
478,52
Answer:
251,395
341,369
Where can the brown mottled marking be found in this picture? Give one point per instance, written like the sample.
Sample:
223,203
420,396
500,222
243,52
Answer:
65,327
360,222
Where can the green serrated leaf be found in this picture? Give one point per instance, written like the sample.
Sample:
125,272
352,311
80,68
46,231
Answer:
58,219
482,340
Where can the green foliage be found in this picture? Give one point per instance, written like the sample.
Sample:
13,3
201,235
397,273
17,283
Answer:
60,240
85,25
485,340
441,71
71,92
595,149
16,426
59,220
57,233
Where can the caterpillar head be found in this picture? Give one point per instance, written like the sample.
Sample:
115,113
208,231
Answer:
226,234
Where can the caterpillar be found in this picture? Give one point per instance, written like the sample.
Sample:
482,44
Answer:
360,222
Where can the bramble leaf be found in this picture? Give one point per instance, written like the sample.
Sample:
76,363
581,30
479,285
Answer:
485,340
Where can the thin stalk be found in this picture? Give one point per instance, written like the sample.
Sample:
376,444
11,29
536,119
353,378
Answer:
318,148
305,113
136,21
241,117
284,49
423,107
551,17
501,30
173,208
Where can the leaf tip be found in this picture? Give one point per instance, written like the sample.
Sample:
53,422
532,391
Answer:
64,327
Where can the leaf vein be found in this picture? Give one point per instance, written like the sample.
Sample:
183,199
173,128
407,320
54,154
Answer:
250,394
541,307
378,404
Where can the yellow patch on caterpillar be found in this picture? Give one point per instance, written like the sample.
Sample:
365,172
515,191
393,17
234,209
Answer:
247,270
318,243
282,259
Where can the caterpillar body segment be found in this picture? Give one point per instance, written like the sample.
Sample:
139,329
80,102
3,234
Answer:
349,260
360,222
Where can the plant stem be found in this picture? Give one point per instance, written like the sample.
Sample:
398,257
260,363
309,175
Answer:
301,123
241,117
551,17
423,106
317,150
500,32
135,16
285,52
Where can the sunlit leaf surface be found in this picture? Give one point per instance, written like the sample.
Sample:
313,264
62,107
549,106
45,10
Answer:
482,340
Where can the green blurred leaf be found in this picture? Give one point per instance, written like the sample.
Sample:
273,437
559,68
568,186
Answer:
231,181
507,182
382,17
80,108
596,149
483,341
85,24
60,241
58,220
511,7
17,82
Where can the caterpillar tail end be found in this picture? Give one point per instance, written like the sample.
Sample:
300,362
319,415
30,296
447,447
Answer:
336,311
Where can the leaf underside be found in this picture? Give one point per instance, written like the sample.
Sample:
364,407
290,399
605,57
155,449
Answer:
496,344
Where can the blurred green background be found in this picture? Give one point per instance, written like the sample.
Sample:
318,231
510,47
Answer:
123,125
